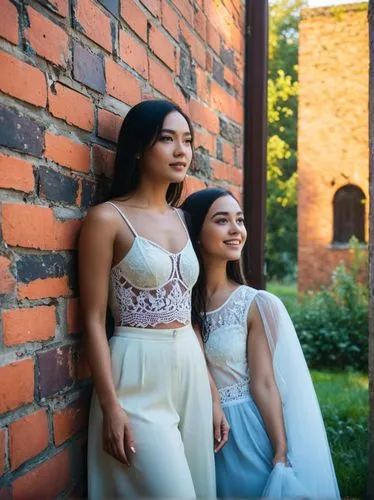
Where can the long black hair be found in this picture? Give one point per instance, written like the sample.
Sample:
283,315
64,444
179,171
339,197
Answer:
196,206
139,131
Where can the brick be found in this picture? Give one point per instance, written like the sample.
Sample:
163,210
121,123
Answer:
28,436
71,106
209,62
204,116
226,103
227,56
204,140
103,161
31,226
133,53
187,70
229,174
20,133
121,84
73,320
45,481
153,6
199,23
9,21
82,370
201,165
47,39
66,152
161,79
55,370
60,7
161,46
55,186
44,288
135,18
88,68
70,420
202,85
16,174
230,132
109,125
16,384
170,19
31,267
228,153
112,6
22,80
88,192
213,38
192,184
218,72
94,23
185,8
28,324
2,451
7,280
198,49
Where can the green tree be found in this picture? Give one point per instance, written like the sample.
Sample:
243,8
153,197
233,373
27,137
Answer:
281,240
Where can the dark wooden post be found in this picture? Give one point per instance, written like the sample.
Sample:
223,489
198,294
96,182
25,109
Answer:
255,137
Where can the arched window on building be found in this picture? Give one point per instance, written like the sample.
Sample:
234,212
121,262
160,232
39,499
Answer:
349,214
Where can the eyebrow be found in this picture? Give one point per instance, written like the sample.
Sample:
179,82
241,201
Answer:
169,131
226,213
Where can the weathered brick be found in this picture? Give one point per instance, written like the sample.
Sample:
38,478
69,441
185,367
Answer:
229,131
204,140
67,152
9,21
187,69
121,84
185,8
47,39
103,161
55,370
16,174
228,153
162,47
161,79
7,280
88,192
213,38
28,324
153,6
70,420
73,319
109,125
55,186
201,165
228,57
203,85
82,370
31,267
20,133
133,53
112,6
204,116
71,106
32,226
60,7
94,23
199,23
135,18
88,68
2,451
170,19
28,436
198,49
46,480
43,288
22,80
218,72
16,384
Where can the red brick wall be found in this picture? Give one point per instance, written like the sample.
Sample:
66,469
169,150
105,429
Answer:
333,129
70,70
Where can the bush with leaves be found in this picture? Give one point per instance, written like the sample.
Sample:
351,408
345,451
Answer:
332,324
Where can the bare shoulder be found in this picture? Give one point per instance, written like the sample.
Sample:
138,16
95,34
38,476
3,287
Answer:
102,215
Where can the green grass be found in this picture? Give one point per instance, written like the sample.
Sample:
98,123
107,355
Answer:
287,292
345,407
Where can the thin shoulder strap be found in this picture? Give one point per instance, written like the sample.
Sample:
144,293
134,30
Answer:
182,221
124,218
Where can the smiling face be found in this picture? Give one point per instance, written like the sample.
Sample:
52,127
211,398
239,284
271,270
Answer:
223,233
170,156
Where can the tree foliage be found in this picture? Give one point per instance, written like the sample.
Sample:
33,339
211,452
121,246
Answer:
281,241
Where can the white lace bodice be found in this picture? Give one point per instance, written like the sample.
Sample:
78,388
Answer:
150,285
226,347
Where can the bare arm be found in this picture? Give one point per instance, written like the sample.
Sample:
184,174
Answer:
95,261
263,386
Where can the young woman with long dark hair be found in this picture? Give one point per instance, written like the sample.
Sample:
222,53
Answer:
150,430
277,446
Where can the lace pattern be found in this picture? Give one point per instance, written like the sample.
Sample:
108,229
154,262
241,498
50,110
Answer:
235,393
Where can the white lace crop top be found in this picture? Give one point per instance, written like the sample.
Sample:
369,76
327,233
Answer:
151,285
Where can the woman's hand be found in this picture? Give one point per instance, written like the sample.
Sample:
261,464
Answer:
280,457
220,426
118,440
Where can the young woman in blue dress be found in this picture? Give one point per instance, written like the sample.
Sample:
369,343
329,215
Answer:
277,446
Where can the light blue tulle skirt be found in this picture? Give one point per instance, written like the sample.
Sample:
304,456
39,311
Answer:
244,466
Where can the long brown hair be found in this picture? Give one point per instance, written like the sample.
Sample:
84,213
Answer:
196,206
